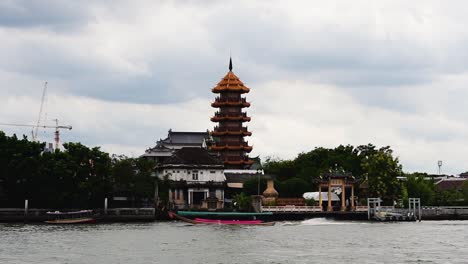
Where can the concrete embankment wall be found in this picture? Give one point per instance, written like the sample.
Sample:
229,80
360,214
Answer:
439,213
428,213
445,213
111,215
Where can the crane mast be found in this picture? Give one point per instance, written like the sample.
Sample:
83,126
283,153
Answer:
34,134
38,124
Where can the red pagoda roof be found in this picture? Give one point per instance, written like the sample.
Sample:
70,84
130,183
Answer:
229,102
239,162
227,147
227,117
230,83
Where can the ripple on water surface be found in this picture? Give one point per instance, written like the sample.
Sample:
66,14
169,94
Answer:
309,241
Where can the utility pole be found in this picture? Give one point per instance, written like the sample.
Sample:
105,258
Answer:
439,163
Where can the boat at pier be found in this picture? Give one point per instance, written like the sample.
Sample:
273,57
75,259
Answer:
219,221
77,217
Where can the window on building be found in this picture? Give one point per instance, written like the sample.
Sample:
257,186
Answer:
195,175
173,194
178,194
212,171
201,172
177,171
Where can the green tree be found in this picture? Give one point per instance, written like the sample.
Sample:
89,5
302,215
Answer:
283,169
133,177
251,186
242,201
381,169
417,186
294,187
465,192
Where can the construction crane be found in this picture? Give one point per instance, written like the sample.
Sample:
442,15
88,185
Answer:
56,127
34,132
38,125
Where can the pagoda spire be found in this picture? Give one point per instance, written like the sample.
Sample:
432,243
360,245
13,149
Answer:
230,64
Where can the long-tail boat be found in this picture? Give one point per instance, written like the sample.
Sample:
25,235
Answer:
77,217
197,221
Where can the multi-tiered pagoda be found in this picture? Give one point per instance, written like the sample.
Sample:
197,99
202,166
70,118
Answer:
229,133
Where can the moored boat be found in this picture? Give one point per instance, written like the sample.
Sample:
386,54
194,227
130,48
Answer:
219,221
77,217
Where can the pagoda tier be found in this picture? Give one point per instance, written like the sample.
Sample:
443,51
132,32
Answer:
219,117
232,146
242,162
230,102
229,133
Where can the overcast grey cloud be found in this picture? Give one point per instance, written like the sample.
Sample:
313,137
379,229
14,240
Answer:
322,73
52,14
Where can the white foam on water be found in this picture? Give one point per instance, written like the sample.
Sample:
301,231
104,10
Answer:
325,221
288,223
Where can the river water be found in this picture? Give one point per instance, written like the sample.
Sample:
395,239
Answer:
310,241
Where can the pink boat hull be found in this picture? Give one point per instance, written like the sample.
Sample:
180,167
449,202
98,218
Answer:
228,222
219,222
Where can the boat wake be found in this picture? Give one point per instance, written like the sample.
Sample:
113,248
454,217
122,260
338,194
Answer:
325,221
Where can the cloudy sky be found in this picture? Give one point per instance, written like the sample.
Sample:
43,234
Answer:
321,73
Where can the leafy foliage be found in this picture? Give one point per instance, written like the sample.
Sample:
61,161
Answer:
293,187
251,186
381,170
366,161
242,201
418,186
465,191
77,177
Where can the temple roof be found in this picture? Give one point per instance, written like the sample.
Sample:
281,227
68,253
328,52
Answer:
178,140
185,138
232,83
193,156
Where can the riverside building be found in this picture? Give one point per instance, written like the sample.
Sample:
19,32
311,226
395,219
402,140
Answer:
197,179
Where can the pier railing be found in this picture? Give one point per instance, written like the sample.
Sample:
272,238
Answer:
291,209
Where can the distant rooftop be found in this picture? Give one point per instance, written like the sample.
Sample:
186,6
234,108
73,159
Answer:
193,156
452,183
177,140
185,138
